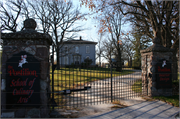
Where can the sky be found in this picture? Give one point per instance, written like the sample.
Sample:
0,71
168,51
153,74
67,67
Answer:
91,33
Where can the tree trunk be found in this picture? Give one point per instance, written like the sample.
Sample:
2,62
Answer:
99,60
119,61
58,59
130,62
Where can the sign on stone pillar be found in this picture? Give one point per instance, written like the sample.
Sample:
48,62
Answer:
163,74
22,81
158,82
25,73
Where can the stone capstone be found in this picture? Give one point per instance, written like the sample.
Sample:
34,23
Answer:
30,24
156,48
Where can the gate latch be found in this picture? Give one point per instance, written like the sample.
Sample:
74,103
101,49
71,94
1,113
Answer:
65,92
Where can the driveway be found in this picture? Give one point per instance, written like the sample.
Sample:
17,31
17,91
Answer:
100,91
144,110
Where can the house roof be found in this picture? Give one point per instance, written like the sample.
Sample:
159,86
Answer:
79,42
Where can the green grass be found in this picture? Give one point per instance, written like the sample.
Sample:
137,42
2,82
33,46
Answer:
67,78
137,86
173,100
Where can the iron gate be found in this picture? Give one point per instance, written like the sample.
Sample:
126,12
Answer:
80,85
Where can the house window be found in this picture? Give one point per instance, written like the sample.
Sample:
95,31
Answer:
66,49
76,49
76,60
87,49
66,60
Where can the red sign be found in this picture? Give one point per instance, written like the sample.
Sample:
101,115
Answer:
163,74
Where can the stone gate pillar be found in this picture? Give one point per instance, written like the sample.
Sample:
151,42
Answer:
25,82
156,62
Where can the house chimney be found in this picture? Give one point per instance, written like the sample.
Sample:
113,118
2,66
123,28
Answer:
80,38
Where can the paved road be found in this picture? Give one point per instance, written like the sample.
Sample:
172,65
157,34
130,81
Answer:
100,91
144,110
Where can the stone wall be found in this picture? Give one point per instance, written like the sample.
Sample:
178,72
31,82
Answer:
38,45
149,60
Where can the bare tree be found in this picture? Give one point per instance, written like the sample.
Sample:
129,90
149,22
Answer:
99,48
113,23
10,13
127,51
135,41
62,22
108,50
40,11
58,18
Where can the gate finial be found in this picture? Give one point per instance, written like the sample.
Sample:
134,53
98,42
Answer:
30,24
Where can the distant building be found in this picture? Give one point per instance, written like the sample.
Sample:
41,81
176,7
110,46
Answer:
76,51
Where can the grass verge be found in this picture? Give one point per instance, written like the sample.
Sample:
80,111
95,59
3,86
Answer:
173,100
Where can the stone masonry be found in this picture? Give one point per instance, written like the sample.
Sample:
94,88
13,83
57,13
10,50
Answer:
38,45
150,58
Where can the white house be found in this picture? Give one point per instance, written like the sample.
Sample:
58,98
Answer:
75,51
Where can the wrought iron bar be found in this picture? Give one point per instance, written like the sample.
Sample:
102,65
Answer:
111,84
52,61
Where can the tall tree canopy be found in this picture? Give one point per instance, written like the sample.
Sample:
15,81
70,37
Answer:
58,17
110,22
153,18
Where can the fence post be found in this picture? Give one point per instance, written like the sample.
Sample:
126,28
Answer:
147,74
111,82
52,61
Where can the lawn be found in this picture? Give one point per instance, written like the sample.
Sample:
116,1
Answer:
173,100
67,78
137,86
